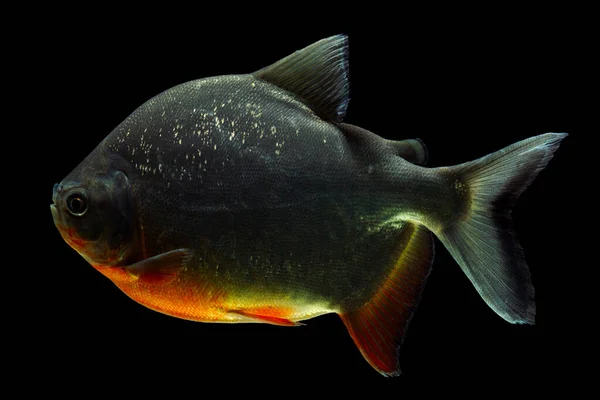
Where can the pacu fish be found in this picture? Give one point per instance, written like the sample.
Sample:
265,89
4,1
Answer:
246,198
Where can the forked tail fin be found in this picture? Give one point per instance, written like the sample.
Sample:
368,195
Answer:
483,242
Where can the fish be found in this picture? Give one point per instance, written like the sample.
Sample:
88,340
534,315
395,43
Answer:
247,199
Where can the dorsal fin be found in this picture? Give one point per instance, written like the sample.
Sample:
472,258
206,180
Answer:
318,74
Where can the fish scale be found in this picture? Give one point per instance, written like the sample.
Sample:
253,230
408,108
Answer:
246,198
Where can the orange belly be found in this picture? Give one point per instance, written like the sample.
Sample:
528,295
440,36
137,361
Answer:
188,299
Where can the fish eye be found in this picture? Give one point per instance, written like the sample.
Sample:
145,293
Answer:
77,204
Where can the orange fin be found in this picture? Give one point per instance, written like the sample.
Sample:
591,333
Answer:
379,326
162,268
269,319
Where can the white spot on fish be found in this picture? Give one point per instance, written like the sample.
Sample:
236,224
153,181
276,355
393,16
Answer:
254,110
273,129
179,141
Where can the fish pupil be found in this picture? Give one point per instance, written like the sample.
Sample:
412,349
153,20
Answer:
76,204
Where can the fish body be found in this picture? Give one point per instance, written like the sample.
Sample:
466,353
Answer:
245,198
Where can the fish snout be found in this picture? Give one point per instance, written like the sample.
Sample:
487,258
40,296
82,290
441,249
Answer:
56,192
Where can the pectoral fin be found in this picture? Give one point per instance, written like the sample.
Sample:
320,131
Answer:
162,268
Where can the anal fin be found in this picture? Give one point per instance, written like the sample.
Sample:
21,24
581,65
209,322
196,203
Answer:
379,326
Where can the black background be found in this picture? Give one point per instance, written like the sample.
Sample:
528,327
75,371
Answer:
466,81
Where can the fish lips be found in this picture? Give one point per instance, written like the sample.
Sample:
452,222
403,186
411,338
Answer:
55,215
58,222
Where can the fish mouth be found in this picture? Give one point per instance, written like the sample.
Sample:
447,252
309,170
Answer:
56,190
54,214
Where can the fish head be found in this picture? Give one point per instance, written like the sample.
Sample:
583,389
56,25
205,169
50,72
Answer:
94,215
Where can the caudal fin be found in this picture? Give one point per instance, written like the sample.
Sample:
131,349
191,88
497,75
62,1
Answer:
484,242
